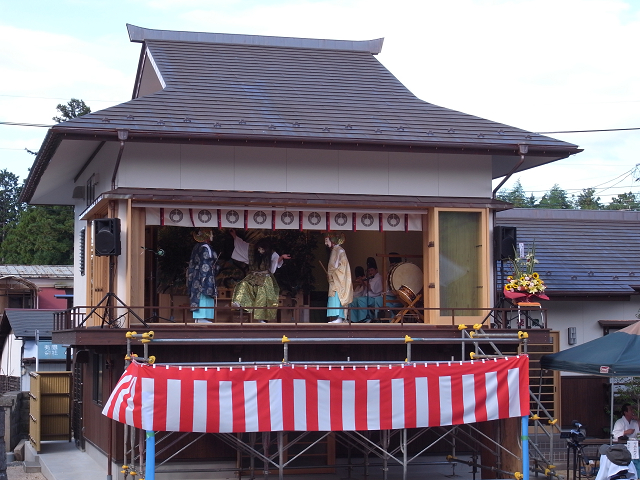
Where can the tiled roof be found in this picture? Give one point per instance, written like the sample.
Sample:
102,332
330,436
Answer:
37,271
581,252
278,90
25,322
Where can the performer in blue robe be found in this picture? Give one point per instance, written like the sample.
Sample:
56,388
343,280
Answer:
201,277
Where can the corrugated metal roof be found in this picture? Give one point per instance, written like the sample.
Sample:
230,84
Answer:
25,322
581,252
282,92
37,271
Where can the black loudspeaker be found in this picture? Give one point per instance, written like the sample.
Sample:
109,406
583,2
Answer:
504,241
107,236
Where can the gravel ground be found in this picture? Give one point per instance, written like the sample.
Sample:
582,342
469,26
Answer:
15,471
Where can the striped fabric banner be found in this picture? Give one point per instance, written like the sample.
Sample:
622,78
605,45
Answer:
284,219
319,398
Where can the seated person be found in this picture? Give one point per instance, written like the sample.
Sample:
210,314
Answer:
370,295
616,463
627,425
390,298
359,289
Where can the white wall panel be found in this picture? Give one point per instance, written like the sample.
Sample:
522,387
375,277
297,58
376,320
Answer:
584,315
148,165
310,170
260,169
302,170
207,168
364,172
464,175
414,174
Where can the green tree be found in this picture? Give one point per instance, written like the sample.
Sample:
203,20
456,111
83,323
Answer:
587,200
73,108
624,201
10,206
516,195
43,235
555,198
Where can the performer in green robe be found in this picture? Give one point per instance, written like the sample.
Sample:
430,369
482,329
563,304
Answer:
259,288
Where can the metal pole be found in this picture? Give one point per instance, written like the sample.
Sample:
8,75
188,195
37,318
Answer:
150,470
281,455
613,383
385,460
111,425
404,454
3,445
525,447
37,351
266,440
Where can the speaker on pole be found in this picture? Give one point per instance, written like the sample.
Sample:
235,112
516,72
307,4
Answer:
106,236
504,241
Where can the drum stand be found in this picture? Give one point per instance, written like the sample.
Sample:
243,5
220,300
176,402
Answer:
409,309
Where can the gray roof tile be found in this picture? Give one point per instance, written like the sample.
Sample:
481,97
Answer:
37,271
25,322
581,252
316,94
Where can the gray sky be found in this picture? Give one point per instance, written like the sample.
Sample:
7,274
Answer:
540,65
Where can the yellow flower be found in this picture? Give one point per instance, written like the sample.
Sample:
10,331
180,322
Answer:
535,275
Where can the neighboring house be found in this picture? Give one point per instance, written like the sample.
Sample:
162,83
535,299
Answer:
30,287
590,262
25,340
283,134
35,286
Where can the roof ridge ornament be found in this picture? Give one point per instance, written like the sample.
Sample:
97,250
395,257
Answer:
140,35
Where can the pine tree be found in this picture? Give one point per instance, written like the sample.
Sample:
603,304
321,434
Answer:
587,200
555,198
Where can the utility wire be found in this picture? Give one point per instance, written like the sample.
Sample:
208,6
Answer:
539,133
26,124
592,131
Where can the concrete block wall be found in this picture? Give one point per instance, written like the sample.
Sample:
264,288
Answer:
16,422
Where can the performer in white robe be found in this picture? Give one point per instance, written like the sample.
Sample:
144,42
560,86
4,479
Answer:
339,277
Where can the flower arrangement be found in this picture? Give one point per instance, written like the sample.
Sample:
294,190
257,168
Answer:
525,282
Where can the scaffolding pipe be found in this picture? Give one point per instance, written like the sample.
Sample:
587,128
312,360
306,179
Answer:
150,471
328,340
385,435
525,447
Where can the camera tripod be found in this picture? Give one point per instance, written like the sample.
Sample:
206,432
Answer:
577,459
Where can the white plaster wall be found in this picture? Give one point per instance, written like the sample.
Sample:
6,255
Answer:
11,360
79,281
150,165
584,315
30,351
304,170
121,280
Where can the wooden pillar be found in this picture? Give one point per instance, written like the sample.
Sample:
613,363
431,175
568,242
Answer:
505,433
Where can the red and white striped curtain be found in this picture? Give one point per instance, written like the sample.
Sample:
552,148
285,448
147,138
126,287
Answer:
319,398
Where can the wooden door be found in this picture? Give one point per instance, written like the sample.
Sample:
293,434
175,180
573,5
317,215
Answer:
49,407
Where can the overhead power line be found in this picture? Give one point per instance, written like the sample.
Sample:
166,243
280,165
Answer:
20,124
592,131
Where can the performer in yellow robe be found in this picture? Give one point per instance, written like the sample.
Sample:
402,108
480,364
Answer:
339,277
259,288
